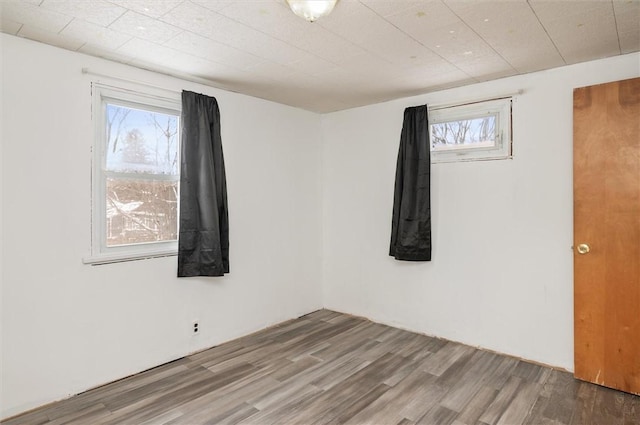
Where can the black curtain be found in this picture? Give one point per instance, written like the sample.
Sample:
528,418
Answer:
411,224
203,242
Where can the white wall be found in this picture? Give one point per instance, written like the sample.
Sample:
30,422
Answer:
501,275
1,216
67,326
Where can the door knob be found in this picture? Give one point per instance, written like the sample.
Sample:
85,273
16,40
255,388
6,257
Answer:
583,248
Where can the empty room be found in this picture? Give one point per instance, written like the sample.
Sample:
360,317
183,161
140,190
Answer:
320,212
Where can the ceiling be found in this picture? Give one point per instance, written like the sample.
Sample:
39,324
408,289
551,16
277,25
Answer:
366,51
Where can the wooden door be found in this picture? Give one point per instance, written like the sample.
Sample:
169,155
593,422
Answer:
606,185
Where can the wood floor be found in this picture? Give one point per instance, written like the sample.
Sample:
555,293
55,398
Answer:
330,368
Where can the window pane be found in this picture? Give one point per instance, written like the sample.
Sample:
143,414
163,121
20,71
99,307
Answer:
141,211
140,141
464,134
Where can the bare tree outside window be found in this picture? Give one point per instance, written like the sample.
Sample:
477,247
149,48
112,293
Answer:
476,132
141,176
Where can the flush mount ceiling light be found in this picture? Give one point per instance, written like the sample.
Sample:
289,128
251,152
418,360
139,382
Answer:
311,10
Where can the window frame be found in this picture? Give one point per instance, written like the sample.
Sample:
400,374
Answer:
102,95
501,108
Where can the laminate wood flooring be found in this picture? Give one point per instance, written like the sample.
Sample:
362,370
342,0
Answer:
332,368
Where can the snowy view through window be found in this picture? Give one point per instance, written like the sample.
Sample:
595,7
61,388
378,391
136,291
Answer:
141,173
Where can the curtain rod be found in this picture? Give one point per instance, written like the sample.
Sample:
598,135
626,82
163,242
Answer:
196,80
126,80
469,102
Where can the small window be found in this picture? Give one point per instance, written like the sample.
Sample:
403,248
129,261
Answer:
135,175
476,131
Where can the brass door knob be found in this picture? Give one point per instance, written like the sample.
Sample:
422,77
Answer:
583,248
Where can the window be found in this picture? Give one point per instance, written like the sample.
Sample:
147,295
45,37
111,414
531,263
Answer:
135,175
476,131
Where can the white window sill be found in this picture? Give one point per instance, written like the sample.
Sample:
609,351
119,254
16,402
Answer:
96,260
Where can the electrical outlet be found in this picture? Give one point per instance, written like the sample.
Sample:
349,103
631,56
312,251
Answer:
195,327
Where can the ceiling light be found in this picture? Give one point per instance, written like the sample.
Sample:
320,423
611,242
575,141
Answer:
311,10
